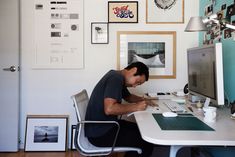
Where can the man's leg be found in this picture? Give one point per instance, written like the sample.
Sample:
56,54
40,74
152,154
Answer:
128,136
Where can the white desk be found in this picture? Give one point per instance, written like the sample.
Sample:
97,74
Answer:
222,136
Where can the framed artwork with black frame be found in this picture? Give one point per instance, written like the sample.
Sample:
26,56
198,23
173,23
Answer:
99,33
123,11
46,133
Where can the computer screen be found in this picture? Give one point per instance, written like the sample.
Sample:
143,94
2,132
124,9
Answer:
205,72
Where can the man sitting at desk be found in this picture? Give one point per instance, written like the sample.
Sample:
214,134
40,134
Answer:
106,104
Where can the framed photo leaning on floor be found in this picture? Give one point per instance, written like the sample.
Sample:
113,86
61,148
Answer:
46,133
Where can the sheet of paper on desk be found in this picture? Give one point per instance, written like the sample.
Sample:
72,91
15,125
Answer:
150,109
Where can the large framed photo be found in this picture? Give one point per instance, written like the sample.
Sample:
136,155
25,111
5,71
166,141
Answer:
46,133
155,49
58,34
123,11
99,33
164,11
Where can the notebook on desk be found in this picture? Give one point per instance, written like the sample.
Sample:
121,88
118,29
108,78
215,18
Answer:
181,122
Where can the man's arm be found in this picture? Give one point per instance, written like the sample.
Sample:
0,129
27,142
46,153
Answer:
112,107
134,98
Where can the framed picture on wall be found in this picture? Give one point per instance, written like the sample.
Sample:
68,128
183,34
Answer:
99,33
60,46
155,49
161,12
46,133
123,11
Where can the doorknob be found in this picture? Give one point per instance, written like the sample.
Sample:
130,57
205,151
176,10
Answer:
12,69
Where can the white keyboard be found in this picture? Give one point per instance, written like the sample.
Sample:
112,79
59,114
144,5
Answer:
174,106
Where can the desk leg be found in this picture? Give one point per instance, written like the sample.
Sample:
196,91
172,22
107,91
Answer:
174,150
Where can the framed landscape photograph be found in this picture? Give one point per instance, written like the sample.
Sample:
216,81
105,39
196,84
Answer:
163,12
46,133
99,33
155,49
123,11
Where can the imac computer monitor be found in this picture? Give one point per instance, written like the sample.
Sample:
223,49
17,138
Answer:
205,73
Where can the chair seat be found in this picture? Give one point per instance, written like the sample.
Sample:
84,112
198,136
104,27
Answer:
90,148
93,149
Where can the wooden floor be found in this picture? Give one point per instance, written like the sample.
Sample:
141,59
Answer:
47,154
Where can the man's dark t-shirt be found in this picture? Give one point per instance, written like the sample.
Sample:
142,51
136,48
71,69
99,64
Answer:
112,85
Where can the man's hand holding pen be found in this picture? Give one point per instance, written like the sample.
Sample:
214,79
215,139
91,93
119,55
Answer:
150,101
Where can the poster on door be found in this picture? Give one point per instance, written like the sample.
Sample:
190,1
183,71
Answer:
58,34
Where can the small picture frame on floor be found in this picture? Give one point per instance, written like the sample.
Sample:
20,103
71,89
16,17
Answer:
46,133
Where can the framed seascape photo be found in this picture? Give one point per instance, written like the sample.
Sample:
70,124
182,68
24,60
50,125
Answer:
46,133
164,11
123,11
73,129
155,49
99,33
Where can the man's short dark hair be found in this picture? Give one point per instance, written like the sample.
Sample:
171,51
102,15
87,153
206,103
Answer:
142,69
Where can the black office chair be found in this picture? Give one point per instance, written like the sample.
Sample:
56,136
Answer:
81,142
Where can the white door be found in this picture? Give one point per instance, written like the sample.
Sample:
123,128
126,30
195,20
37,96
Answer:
9,75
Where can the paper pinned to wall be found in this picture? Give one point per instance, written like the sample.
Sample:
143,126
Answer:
58,34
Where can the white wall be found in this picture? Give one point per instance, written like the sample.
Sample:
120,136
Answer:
45,92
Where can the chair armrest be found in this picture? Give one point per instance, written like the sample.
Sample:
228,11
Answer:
102,122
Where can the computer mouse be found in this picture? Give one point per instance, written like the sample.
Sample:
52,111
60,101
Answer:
169,114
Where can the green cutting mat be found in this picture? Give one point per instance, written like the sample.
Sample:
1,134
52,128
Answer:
181,122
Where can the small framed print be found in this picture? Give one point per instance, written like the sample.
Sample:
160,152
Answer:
73,129
99,33
123,11
164,12
46,133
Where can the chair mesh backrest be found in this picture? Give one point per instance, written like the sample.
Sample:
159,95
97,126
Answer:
80,101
